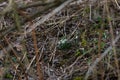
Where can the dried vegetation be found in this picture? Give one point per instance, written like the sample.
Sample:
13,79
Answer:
59,40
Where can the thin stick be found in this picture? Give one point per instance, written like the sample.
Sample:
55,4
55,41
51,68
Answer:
117,4
39,69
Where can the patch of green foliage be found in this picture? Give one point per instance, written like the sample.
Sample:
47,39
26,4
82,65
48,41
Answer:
84,41
78,78
64,44
8,76
79,52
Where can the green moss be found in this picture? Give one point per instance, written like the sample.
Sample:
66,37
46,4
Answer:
78,78
8,75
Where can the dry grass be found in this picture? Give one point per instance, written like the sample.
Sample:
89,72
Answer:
79,42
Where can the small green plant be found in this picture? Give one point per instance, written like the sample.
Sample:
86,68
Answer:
14,59
64,44
80,52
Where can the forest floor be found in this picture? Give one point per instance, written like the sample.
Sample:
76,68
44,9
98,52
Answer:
80,42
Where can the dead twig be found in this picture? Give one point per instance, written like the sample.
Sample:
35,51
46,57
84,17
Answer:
39,69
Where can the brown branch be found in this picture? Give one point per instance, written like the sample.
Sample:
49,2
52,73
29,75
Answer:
39,69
